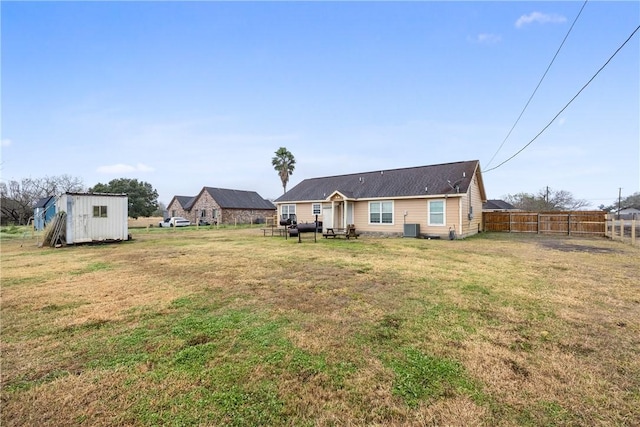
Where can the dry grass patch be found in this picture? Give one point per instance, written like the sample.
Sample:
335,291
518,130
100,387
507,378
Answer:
226,327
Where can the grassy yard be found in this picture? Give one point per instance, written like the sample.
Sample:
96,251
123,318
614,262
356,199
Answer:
227,327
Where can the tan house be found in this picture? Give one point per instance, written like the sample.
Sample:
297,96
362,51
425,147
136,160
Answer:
222,206
422,201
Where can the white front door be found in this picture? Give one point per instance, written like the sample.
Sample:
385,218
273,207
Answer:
327,218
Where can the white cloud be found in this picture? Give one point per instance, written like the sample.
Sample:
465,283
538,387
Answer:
541,18
120,168
485,38
5,143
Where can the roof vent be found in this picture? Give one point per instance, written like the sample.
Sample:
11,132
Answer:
381,172
464,174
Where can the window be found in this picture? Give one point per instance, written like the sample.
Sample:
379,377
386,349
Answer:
436,212
288,211
173,212
316,209
381,212
203,213
99,211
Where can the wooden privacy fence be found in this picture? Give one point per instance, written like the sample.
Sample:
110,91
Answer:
583,223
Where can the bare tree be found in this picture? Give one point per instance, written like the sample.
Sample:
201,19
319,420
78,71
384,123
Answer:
20,197
546,199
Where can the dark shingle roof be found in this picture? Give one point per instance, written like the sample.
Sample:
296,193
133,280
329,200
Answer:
185,201
238,199
448,178
497,204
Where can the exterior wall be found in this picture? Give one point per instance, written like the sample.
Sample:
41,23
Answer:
205,203
246,216
175,207
42,216
83,227
304,212
472,202
417,213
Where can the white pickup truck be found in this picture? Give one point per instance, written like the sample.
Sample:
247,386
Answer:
175,221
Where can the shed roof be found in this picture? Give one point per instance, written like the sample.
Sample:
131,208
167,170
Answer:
442,179
237,199
43,202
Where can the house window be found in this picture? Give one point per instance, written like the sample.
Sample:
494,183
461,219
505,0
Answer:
436,212
203,213
288,211
99,211
316,209
173,212
215,213
381,212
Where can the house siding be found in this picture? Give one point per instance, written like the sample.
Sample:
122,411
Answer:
473,199
417,213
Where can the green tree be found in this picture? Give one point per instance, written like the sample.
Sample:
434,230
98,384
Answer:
143,198
284,163
547,199
632,201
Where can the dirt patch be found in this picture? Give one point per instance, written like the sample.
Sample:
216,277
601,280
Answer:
564,246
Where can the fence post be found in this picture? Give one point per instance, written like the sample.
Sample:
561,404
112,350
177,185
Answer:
569,223
633,232
538,222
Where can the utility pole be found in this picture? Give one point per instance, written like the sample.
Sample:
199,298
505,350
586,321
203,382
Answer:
619,200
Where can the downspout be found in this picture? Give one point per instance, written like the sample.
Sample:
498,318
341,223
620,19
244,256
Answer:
460,217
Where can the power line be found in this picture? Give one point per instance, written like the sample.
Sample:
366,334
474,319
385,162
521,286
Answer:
568,103
539,83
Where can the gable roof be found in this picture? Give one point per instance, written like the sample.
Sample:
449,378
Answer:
497,204
237,199
442,179
184,201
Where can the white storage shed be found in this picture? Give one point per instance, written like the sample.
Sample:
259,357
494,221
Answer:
94,217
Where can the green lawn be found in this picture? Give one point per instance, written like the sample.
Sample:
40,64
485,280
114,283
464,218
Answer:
226,327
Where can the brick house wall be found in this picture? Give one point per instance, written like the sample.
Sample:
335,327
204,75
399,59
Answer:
207,209
246,216
176,209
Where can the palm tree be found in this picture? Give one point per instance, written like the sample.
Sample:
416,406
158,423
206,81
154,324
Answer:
284,163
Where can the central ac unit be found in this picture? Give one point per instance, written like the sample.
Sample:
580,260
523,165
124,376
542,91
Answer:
411,230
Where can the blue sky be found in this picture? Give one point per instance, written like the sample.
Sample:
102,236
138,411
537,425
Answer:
186,95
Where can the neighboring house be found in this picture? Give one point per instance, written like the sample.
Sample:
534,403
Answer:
179,206
94,217
43,212
222,206
431,200
628,213
498,206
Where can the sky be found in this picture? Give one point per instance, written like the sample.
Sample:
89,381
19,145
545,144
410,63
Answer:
184,95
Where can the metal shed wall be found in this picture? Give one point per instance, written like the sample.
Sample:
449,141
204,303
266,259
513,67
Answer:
84,227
